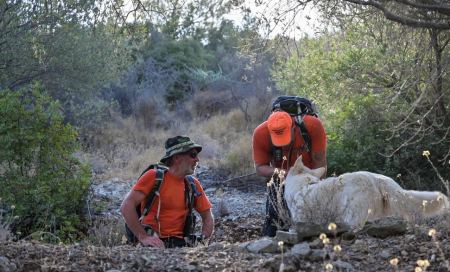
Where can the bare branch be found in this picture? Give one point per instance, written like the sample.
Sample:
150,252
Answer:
396,15
438,7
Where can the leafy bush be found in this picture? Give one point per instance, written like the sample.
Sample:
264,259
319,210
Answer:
352,149
40,176
377,100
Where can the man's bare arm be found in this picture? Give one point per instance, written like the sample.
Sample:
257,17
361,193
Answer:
207,223
264,170
319,159
128,210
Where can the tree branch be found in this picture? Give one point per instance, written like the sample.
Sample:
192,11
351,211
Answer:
443,23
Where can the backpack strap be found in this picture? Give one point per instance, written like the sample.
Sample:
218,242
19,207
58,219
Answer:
191,193
191,182
155,166
304,132
155,190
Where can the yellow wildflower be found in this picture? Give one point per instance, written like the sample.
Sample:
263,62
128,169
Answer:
394,261
432,232
332,226
337,248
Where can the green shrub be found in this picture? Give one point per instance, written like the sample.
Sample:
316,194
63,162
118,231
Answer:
40,177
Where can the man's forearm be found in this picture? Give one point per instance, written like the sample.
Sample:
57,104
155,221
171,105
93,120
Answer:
207,223
130,216
264,170
319,159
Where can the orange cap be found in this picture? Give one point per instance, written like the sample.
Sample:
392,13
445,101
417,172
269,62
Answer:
280,124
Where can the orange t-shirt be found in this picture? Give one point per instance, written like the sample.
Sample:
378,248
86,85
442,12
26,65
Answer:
262,145
173,208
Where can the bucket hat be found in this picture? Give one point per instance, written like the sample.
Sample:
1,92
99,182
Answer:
177,145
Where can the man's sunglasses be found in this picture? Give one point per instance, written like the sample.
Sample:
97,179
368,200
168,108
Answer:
192,154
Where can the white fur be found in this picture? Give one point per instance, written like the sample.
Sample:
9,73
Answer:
356,197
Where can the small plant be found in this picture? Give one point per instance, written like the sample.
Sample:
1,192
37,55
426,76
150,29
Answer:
276,190
444,182
107,232
40,174
282,265
433,234
331,251
5,222
394,262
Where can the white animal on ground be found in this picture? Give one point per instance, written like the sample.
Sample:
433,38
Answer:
354,198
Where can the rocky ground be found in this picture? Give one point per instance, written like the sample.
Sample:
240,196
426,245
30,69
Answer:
236,245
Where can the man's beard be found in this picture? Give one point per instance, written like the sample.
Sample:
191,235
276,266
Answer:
192,169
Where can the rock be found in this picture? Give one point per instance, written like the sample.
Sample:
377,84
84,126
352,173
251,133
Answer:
316,255
386,227
343,266
287,237
348,236
216,246
316,243
244,245
6,265
221,209
300,250
210,190
191,267
385,254
306,230
423,249
264,245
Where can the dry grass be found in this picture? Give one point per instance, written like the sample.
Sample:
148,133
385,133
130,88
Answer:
124,147
228,143
107,232
5,233
5,223
276,187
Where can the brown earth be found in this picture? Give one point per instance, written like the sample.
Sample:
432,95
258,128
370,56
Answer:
227,253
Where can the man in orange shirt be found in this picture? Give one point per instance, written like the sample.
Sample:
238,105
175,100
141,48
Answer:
168,212
278,142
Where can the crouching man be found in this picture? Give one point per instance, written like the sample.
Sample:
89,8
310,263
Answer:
165,221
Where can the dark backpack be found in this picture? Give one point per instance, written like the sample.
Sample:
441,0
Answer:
191,193
297,107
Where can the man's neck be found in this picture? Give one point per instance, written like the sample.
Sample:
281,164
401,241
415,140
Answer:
175,171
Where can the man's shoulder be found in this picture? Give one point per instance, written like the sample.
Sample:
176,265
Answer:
196,181
148,176
311,118
261,129
312,122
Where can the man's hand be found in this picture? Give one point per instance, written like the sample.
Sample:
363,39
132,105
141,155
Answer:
264,170
152,241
